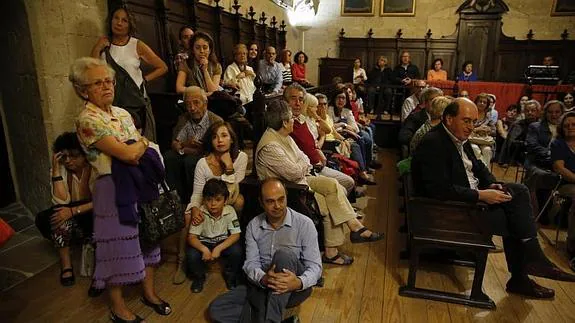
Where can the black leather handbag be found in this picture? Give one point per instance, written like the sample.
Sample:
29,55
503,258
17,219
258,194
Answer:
160,218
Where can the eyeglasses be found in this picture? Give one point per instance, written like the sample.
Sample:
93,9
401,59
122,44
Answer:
100,83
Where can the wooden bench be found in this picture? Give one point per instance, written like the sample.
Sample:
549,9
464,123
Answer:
457,226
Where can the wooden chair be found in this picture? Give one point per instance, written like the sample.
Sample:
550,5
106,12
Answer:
457,226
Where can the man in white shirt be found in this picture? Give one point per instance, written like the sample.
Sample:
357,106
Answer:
413,100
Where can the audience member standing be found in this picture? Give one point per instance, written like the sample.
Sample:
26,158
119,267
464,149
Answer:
380,76
123,52
103,131
405,72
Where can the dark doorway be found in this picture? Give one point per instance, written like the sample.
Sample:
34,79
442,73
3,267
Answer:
7,193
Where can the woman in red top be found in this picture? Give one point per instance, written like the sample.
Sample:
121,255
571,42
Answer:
298,69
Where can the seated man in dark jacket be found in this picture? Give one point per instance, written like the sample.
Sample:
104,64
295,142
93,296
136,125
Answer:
444,167
405,72
417,119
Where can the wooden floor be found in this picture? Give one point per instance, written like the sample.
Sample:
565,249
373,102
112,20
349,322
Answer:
363,292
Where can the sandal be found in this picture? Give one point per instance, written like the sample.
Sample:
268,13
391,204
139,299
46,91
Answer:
116,319
67,281
347,260
163,308
356,237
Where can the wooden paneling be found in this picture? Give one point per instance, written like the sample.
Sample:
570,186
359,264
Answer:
478,37
158,23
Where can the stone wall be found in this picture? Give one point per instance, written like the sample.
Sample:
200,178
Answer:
439,16
62,31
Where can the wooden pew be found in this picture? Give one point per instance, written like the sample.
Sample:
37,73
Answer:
457,226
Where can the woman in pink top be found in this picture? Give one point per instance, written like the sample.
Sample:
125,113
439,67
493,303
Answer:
298,69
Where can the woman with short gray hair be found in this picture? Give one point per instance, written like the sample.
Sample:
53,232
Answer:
103,131
278,114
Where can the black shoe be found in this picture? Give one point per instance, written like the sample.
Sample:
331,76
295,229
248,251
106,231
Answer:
116,319
198,285
375,165
67,281
528,288
94,292
356,237
163,308
548,270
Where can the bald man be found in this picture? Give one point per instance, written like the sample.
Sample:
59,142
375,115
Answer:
444,167
282,264
270,72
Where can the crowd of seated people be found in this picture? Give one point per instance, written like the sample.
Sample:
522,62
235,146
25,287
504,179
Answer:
205,166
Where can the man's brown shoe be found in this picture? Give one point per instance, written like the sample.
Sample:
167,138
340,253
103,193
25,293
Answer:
528,288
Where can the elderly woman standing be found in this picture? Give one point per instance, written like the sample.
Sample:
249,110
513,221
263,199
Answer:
124,52
103,130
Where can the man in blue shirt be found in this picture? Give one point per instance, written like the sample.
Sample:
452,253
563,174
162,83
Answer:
270,72
282,263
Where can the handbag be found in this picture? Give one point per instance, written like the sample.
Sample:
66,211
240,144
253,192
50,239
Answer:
127,93
160,218
6,232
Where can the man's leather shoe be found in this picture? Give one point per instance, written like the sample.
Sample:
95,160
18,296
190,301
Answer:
548,271
529,288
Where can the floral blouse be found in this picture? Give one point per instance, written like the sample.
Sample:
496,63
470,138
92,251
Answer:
94,124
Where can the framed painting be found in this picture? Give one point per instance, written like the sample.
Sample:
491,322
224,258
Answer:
397,8
563,8
357,7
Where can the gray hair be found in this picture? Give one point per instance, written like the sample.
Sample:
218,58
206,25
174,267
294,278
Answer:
193,90
535,103
429,92
277,112
320,96
78,70
549,104
293,86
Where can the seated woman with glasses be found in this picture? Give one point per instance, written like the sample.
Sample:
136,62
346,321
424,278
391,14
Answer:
70,219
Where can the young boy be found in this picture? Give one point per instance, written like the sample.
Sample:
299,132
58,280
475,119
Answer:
216,236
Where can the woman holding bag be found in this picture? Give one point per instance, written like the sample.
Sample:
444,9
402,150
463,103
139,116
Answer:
104,132
124,52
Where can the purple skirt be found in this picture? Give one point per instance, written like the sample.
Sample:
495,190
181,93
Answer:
119,259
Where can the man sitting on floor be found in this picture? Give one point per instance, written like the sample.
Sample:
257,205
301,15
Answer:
283,262
444,167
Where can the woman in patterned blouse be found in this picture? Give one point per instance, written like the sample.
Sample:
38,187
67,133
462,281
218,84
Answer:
103,130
